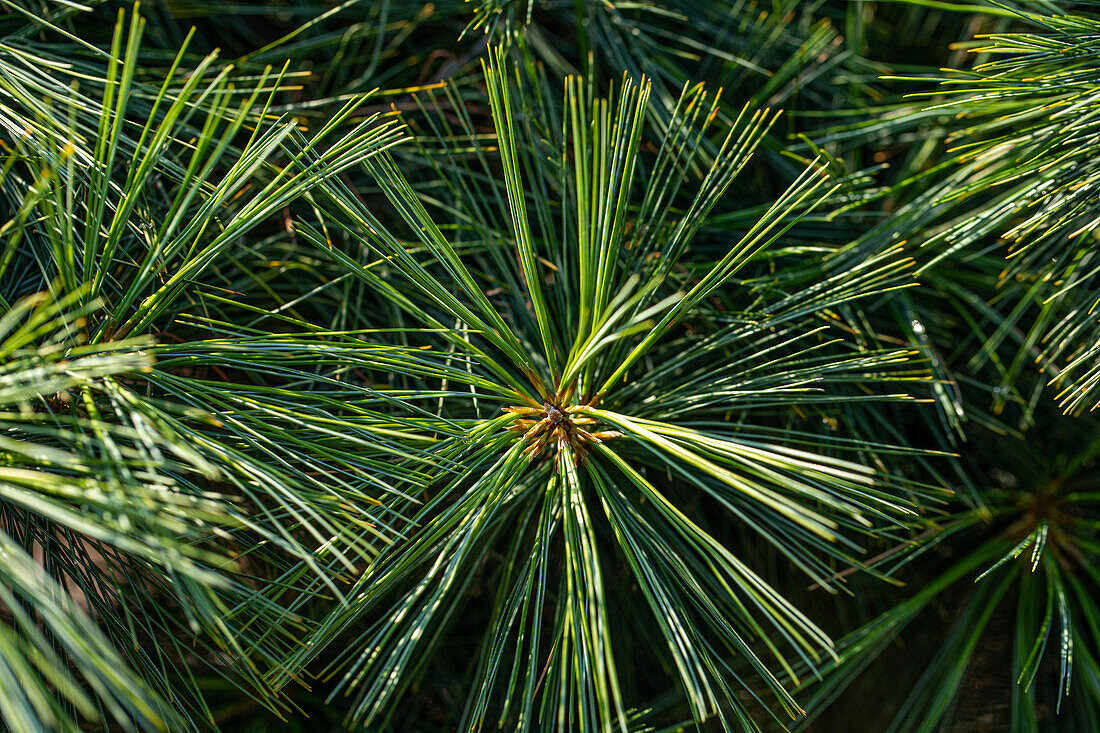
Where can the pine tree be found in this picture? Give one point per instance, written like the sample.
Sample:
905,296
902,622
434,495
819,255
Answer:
549,365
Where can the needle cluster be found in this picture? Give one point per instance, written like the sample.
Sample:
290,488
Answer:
557,424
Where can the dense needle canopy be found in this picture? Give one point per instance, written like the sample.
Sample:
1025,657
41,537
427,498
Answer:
548,365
